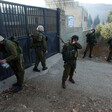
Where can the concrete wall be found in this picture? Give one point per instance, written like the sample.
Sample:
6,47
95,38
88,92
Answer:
71,8
67,32
84,19
84,38
77,13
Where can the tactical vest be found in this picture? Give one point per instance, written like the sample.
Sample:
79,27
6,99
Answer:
71,52
90,38
37,40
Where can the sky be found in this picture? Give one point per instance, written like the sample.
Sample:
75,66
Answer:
95,1
41,3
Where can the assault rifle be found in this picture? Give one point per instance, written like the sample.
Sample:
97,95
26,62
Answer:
62,40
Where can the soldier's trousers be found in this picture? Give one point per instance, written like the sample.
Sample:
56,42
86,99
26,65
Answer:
40,57
89,47
18,68
69,70
110,55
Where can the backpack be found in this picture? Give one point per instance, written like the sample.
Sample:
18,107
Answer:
19,49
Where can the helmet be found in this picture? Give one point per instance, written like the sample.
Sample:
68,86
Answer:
40,28
75,37
1,38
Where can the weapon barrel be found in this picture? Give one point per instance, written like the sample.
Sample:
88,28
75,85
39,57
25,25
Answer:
86,30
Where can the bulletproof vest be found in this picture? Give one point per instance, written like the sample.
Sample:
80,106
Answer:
37,39
71,53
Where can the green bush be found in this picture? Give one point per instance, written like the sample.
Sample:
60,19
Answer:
106,30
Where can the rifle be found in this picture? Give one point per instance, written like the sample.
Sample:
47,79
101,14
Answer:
62,41
86,30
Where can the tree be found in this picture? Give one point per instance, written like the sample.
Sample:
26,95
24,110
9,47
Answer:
104,30
98,30
90,22
96,21
109,18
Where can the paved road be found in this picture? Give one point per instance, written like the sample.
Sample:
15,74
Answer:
43,93
91,77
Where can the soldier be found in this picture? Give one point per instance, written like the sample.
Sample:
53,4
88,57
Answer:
70,54
91,40
40,45
110,49
14,56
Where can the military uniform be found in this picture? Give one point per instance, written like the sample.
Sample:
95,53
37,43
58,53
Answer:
14,56
91,40
70,54
110,49
40,46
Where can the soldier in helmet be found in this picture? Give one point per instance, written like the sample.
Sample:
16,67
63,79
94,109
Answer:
40,45
91,40
70,54
110,49
14,56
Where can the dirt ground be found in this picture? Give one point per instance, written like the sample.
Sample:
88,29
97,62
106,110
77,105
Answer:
100,50
92,91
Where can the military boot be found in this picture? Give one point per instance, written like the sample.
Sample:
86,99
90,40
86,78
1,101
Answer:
71,80
17,89
84,55
36,69
63,85
108,60
90,56
15,84
44,68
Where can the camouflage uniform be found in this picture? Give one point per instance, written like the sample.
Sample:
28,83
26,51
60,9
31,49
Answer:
70,53
110,49
40,46
14,57
91,40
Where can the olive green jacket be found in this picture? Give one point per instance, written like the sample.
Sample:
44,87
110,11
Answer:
11,50
70,52
91,38
39,40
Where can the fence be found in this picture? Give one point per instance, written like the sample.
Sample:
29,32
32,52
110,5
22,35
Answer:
20,21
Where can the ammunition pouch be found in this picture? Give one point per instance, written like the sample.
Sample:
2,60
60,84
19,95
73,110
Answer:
70,55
